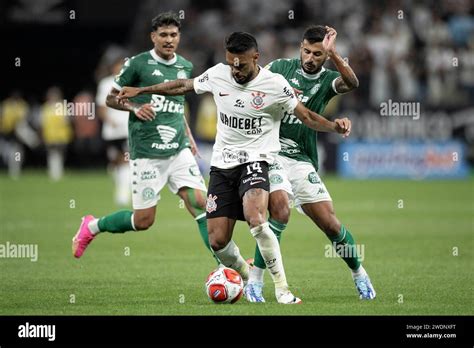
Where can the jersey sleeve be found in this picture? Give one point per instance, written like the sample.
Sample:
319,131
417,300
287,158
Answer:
127,76
285,95
332,90
275,66
205,82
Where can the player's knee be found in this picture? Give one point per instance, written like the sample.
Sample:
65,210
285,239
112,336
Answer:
216,242
280,213
255,220
195,199
143,222
279,208
201,201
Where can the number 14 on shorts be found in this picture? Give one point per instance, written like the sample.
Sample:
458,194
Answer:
254,168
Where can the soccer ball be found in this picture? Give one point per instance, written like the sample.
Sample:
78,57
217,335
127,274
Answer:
224,285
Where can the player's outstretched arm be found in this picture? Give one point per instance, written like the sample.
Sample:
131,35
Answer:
348,79
176,87
319,123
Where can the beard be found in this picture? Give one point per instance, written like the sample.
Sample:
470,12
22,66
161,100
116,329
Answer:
244,80
313,69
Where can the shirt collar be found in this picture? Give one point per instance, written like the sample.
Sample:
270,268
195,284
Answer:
312,76
161,60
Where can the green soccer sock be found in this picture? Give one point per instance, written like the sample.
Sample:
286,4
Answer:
346,248
202,224
118,222
277,228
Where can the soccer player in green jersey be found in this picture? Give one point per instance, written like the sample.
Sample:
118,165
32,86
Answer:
295,171
159,140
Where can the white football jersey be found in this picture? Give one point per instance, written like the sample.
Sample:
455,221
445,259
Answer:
117,127
248,116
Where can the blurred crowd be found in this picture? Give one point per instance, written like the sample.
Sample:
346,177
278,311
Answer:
401,50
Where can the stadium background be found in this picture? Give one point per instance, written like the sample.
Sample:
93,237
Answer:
405,51
402,51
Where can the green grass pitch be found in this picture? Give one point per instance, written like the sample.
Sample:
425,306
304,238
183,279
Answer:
419,256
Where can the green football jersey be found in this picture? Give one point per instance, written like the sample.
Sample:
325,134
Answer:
166,134
314,91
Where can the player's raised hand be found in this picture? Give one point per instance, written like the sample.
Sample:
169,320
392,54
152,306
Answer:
144,112
128,92
329,41
343,126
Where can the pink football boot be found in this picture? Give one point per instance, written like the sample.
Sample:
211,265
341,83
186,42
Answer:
83,237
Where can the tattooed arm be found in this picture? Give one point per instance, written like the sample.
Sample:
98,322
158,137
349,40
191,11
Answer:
176,87
348,79
319,123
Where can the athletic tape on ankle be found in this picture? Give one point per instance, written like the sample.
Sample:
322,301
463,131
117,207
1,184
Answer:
259,229
201,216
275,225
132,222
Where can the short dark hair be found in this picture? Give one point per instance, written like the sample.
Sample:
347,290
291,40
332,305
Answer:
164,19
240,42
314,33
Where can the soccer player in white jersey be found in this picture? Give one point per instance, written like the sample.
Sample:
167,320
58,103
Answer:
115,133
250,102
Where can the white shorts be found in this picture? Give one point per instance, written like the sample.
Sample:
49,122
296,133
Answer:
299,179
149,176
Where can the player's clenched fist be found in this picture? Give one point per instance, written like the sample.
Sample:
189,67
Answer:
343,126
128,92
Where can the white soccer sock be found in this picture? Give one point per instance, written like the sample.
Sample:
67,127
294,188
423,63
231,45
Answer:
256,275
270,250
230,257
122,184
359,272
94,226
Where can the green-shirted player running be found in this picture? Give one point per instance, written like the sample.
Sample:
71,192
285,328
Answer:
295,171
159,140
